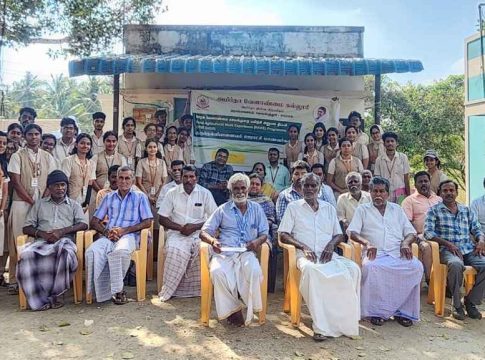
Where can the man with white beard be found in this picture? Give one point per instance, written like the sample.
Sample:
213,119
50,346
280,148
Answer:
234,268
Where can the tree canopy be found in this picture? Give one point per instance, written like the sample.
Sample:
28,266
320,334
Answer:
86,27
427,117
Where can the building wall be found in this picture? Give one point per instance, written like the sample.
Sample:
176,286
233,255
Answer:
318,41
474,117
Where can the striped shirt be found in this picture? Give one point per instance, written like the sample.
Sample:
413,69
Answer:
123,212
441,222
235,228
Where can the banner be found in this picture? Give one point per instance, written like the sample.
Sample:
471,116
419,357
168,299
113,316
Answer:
249,123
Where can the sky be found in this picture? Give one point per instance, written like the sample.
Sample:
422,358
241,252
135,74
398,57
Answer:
432,31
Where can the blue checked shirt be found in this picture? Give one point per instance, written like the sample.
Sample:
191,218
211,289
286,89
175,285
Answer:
210,174
440,222
237,229
129,211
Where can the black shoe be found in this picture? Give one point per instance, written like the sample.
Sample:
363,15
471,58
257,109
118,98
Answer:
458,313
472,311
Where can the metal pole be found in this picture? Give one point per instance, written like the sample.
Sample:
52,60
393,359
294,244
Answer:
481,47
116,103
377,99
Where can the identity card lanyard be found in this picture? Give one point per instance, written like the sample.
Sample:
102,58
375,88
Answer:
242,223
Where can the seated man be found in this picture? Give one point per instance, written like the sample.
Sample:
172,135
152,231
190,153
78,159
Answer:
108,258
47,265
390,274
326,192
214,176
328,281
183,211
416,206
242,224
294,192
450,225
175,173
348,202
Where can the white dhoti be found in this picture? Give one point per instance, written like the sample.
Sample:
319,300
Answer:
332,294
106,265
16,221
233,274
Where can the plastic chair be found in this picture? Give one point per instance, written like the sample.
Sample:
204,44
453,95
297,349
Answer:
293,298
160,258
206,288
139,256
78,276
150,257
437,281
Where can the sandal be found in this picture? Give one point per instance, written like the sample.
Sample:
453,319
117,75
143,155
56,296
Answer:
45,307
56,303
119,298
319,337
13,289
377,321
403,321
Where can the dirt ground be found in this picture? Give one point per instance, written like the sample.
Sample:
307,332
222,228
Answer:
152,330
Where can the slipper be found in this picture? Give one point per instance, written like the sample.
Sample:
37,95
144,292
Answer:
45,307
377,321
57,305
13,289
119,298
319,337
403,321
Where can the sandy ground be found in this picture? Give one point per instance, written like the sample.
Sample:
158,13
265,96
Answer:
152,330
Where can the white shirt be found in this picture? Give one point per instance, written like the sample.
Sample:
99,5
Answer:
62,151
346,205
478,207
164,191
384,232
315,229
393,170
183,209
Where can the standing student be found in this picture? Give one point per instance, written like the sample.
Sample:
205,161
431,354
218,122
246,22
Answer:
331,149
310,153
170,147
150,131
151,173
394,166
4,179
355,119
376,146
27,116
293,147
433,166
321,136
15,134
99,119
66,143
276,173
28,169
128,141
80,171
182,142
359,150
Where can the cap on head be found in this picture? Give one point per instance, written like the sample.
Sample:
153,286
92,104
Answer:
431,154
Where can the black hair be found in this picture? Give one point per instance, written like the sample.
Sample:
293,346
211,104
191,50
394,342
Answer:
180,129
32,126
148,125
160,112
256,164
189,167
293,126
389,134
317,166
421,173
3,157
222,150
375,126
68,121
186,117
15,126
49,136
356,114
177,163
99,115
81,136
29,110
148,141
125,121
351,127
312,135
300,164
321,126
109,133
444,182
113,169
379,180
274,149
342,140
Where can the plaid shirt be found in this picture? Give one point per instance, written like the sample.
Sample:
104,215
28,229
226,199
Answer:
123,212
440,222
210,174
284,198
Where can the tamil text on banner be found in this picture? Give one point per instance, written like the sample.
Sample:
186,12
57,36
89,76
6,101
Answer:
249,123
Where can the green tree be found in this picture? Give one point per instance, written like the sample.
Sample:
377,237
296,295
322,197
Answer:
84,27
428,117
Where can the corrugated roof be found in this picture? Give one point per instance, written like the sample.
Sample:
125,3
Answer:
243,65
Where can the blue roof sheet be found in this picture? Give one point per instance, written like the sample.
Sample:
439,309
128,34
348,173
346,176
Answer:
243,65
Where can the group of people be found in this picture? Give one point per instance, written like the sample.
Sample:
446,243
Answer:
340,185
